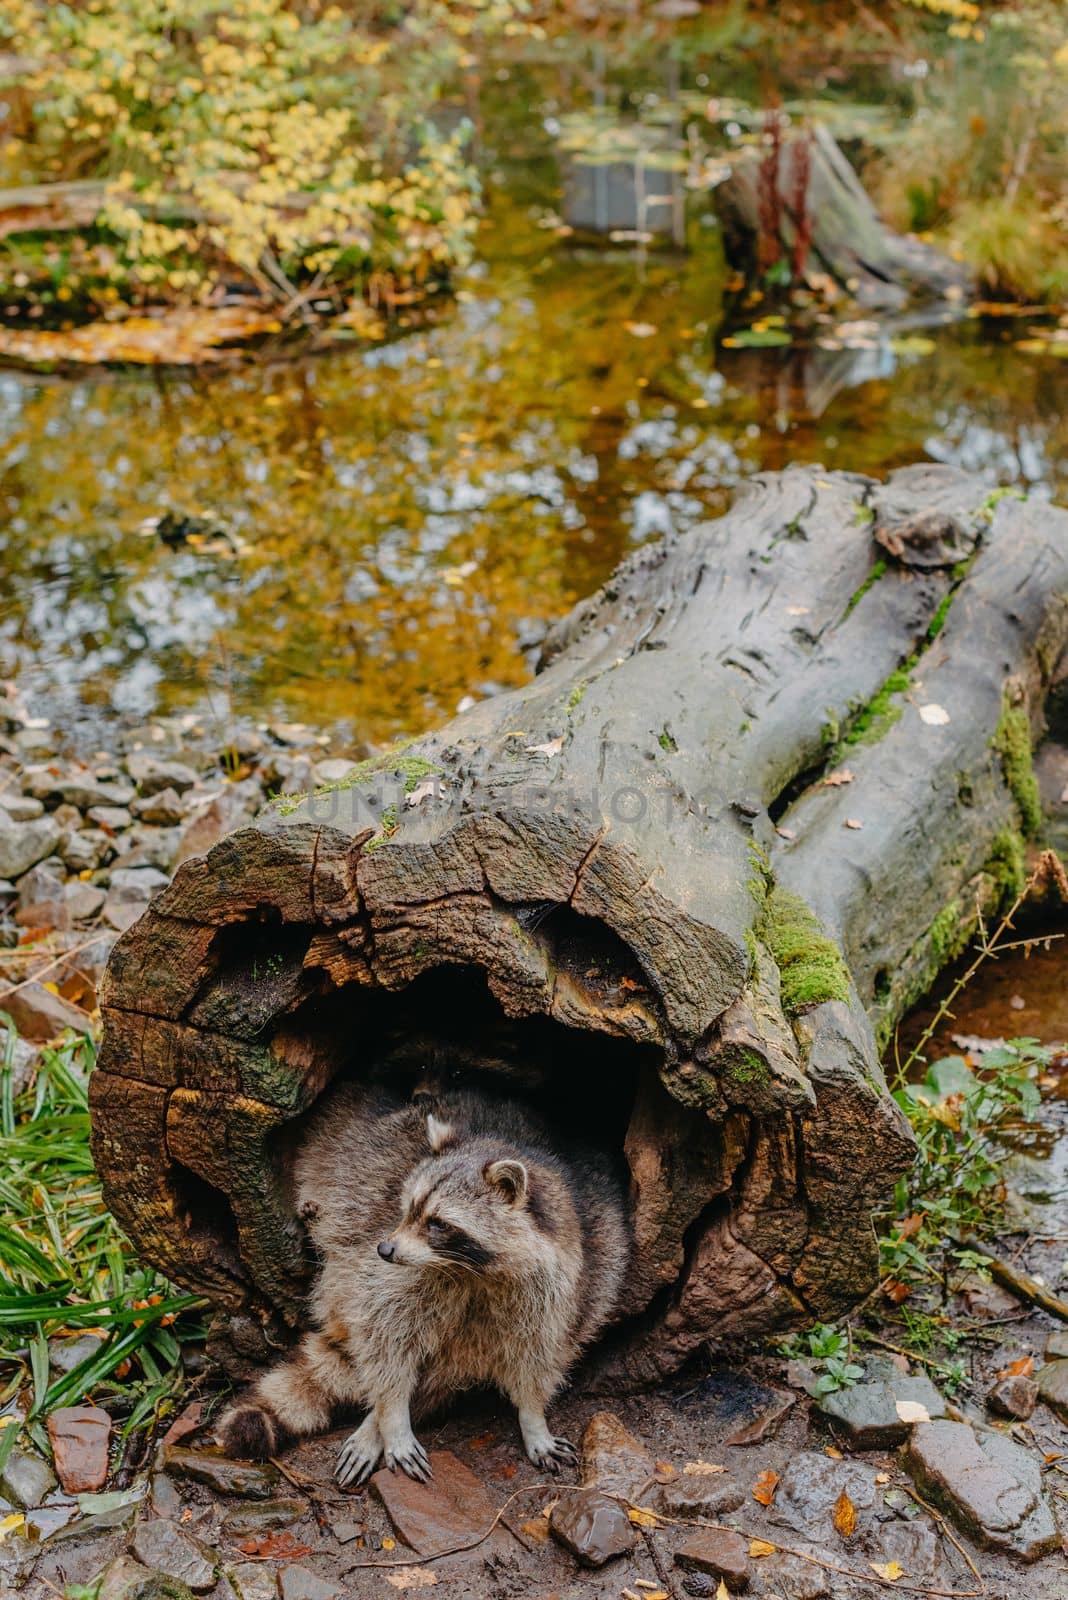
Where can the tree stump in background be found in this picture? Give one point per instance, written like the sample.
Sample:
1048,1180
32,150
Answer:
743,814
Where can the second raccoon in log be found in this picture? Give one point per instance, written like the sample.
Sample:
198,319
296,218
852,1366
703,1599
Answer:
458,1248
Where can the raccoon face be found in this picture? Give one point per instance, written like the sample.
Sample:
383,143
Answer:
457,1211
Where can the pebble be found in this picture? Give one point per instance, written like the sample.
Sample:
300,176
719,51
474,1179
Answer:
252,1580
66,1354
1057,1344
1014,1397
113,819
263,1515
247,1480
24,843
613,1460
26,1480
165,808
1053,1388
989,1484
165,1499
165,1548
707,1498
300,1583
137,883
79,1436
82,852
153,775
41,1015
720,1553
20,807
595,1529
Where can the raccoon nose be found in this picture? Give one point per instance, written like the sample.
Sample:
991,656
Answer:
387,1249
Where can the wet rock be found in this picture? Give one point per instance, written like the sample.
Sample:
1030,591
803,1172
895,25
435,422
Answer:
867,1412
66,1354
127,1579
26,1480
164,1497
595,1529
913,1545
22,844
613,1460
79,1436
455,1505
1057,1345
1013,1397
261,1517
165,809
164,1548
252,1580
20,807
720,1553
39,1014
100,1526
800,1580
153,775
988,1483
763,1427
300,1583
700,1497
809,1491
246,1480
1053,1388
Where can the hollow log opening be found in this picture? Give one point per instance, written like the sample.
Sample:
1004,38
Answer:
763,785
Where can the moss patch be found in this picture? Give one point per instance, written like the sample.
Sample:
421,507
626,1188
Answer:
1007,863
870,581
811,967
410,769
1012,741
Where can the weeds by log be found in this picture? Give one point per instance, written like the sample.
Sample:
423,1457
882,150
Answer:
667,886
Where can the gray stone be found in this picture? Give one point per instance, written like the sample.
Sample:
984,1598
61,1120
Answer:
988,1483
595,1529
791,1577
262,1516
809,1491
152,775
79,787
39,1014
82,852
301,1583
26,1480
146,846
252,1580
1013,1397
66,817
1053,1388
165,808
20,807
24,843
138,884
113,819
234,807
83,900
248,1480
720,1553
66,1354
333,770
1057,1344
613,1460
913,1545
127,1579
165,1548
122,914
164,1497
867,1412
706,1497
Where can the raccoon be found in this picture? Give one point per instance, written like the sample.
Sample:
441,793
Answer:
458,1247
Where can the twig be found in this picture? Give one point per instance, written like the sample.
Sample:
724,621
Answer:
947,1533
1021,1284
307,1488
910,1355
666,1580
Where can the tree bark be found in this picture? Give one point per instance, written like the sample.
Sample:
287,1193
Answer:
748,806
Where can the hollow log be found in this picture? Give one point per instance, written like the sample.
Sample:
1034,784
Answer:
760,789
801,201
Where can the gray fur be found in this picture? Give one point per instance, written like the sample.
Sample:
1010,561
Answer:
505,1259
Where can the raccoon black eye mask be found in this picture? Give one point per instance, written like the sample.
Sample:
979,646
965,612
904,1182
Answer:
457,1249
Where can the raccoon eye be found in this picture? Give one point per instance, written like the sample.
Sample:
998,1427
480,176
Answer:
439,1229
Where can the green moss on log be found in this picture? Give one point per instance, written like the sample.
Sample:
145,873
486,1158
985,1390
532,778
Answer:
1007,863
1012,741
811,966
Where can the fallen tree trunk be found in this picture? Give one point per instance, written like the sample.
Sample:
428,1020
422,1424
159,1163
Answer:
747,808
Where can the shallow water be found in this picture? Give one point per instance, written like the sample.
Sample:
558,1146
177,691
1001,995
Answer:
403,519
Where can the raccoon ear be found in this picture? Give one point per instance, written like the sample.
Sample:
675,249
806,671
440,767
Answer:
438,1132
508,1176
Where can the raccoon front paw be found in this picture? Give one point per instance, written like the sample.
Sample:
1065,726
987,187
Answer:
359,1455
409,1455
554,1455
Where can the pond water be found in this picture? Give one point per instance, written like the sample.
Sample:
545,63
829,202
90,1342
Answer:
401,520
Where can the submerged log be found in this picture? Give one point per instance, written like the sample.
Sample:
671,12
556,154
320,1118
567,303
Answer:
797,200
753,800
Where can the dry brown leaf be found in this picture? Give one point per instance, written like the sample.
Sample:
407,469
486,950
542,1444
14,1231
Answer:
1022,1368
761,1547
882,1477
834,780
537,1529
845,1516
664,1472
642,1518
833,1451
911,1411
765,1486
890,1570
413,1578
854,822
551,748
701,1469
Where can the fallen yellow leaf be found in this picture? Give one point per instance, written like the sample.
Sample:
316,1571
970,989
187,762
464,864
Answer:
761,1547
642,1518
722,1593
845,1516
765,1486
11,1524
890,1570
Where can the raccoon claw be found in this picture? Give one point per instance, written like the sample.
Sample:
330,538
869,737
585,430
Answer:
412,1459
356,1462
555,1456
